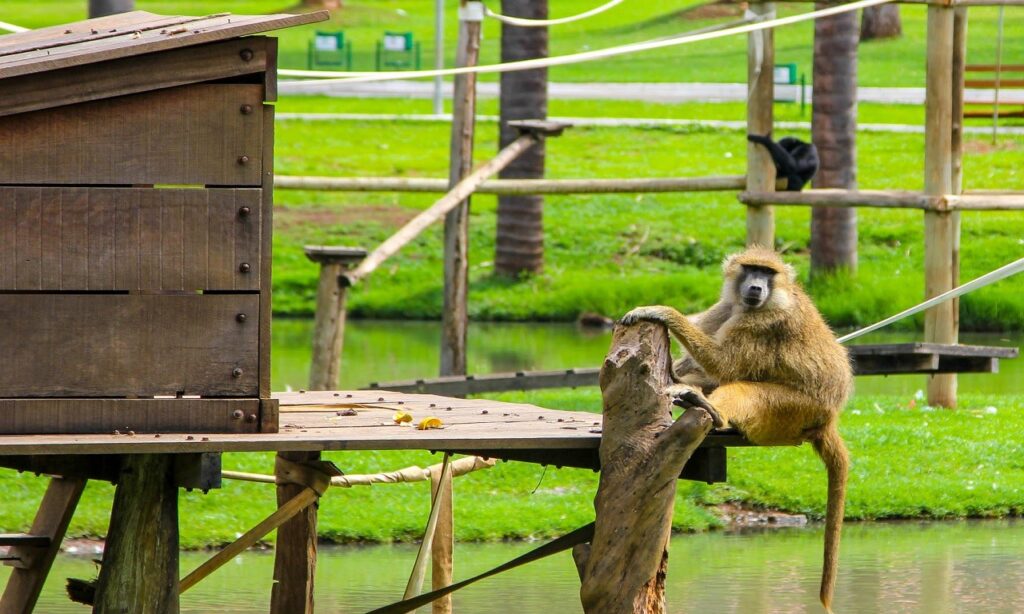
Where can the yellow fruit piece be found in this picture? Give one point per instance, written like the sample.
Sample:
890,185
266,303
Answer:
429,423
402,416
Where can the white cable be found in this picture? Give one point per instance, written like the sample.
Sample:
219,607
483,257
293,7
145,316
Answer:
10,27
576,58
540,23
987,279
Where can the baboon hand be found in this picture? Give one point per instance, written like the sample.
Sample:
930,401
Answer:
690,398
648,314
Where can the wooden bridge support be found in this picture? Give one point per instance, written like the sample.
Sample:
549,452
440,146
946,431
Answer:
642,454
140,559
329,328
941,228
296,549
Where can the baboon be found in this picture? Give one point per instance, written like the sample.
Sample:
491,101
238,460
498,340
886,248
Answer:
794,159
769,366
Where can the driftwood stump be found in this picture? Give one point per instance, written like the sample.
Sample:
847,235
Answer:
642,454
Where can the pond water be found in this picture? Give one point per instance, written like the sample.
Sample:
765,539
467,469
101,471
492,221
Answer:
927,568
380,350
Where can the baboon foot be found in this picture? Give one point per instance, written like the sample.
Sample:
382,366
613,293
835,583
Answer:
689,398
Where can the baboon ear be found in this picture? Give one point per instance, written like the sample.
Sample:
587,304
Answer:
729,263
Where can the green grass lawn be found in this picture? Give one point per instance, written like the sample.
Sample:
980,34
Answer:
907,463
606,253
884,63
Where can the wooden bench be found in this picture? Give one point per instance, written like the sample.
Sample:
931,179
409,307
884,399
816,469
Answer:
994,79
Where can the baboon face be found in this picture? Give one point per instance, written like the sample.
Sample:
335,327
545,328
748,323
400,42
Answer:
755,285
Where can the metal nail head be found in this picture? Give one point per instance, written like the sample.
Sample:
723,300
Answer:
244,267
246,55
236,372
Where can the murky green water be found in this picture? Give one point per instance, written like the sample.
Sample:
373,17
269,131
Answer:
378,350
921,568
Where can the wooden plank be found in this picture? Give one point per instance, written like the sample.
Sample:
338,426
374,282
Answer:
760,120
32,565
191,135
105,467
132,75
1002,83
995,68
266,207
24,539
204,30
988,351
128,345
128,417
835,197
87,30
130,239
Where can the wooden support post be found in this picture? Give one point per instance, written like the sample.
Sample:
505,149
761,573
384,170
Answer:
957,141
442,549
140,561
642,454
760,98
940,227
295,552
33,563
455,317
329,329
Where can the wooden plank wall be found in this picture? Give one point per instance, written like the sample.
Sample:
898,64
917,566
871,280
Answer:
126,239
206,134
110,345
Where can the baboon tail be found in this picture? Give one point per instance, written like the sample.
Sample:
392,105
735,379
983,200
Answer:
830,447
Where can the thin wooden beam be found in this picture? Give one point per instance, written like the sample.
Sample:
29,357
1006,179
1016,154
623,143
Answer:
760,98
518,186
940,227
455,316
32,565
835,197
442,549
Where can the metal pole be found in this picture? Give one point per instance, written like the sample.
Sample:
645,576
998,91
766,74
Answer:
438,55
101,8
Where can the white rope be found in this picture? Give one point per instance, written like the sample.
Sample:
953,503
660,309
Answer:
540,23
987,279
576,58
10,27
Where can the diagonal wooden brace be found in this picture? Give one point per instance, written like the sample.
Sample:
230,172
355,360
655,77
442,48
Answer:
314,475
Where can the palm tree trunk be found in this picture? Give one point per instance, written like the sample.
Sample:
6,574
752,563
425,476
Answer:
882,21
524,95
833,130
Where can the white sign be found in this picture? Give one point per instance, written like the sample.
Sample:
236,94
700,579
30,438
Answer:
326,43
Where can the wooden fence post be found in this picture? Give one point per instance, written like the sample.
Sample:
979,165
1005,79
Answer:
761,97
642,454
329,328
455,319
140,561
295,550
941,228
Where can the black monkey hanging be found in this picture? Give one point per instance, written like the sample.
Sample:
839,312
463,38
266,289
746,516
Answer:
794,159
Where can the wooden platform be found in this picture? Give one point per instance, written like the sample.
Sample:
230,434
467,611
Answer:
881,359
363,420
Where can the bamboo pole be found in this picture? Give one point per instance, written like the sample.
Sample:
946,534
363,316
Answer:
760,98
442,549
519,186
940,226
445,204
455,313
329,326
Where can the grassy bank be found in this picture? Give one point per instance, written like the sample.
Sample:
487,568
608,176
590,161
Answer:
907,463
606,253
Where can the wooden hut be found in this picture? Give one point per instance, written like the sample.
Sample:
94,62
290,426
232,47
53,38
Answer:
136,166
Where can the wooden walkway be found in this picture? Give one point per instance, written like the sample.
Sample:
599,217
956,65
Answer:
881,359
363,420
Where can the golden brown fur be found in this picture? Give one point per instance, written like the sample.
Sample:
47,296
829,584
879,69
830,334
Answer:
775,372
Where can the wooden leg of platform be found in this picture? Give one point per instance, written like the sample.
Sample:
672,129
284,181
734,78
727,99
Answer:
140,560
295,556
33,564
442,549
